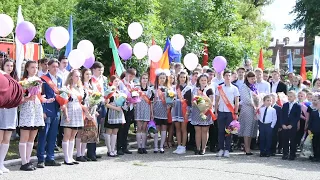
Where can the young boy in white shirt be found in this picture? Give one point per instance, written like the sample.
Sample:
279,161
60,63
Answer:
267,121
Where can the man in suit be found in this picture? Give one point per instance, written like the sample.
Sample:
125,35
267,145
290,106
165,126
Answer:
51,112
276,84
291,112
277,127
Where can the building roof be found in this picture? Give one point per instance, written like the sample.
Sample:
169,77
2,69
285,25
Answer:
292,43
295,44
297,61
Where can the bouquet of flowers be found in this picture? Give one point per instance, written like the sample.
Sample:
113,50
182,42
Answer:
152,129
63,97
108,91
233,128
120,99
32,85
170,95
134,96
306,146
203,104
94,99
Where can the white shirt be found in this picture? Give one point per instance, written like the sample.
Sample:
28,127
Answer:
63,74
215,83
275,86
271,116
231,92
101,82
41,73
263,87
239,83
54,79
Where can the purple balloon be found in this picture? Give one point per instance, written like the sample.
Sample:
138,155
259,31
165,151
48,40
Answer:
125,51
48,36
25,32
89,62
219,63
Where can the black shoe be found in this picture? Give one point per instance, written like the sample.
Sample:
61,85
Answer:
196,152
98,156
26,167
70,164
155,152
81,159
279,152
144,151
262,155
52,163
140,151
94,159
249,154
32,166
40,165
75,162
126,151
120,153
161,151
291,158
267,155
201,152
108,154
88,159
273,154
285,157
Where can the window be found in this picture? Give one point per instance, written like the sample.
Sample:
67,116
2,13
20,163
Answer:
297,51
288,51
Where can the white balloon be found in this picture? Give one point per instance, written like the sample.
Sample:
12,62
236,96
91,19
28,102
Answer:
191,61
135,30
59,37
86,47
76,58
140,50
6,25
155,53
177,42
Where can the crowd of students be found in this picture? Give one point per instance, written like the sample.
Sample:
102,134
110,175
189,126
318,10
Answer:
251,97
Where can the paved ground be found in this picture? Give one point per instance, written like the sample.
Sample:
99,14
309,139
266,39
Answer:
171,166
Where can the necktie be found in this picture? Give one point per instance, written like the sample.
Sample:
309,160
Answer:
264,115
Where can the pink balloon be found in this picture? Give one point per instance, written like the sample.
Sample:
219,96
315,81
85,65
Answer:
219,63
89,62
25,32
48,39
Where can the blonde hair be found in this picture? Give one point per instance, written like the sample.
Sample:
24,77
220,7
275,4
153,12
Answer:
69,78
292,92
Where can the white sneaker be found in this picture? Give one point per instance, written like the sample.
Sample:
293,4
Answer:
182,150
226,154
4,169
177,150
220,153
1,172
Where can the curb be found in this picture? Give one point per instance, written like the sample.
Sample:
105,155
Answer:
100,150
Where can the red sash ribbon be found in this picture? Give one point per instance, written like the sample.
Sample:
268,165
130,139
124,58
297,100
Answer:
55,89
226,101
96,82
145,97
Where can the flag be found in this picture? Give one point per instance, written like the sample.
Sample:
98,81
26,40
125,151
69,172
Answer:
69,46
316,58
113,67
205,55
277,62
153,67
164,61
260,64
173,55
303,72
290,65
117,62
19,46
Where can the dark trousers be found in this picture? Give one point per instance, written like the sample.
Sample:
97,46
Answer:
289,135
224,120
265,137
91,150
274,140
122,139
213,135
191,144
300,133
60,134
280,140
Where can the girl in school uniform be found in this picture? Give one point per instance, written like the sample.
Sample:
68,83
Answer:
72,119
8,119
143,113
31,119
180,110
160,108
115,119
170,126
201,126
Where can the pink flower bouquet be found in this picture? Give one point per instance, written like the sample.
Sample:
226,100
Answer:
32,85
233,128
134,96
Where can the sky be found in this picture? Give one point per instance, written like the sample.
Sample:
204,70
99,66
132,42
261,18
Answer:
278,15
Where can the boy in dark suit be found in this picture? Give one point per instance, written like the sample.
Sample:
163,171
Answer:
291,112
276,84
277,128
314,128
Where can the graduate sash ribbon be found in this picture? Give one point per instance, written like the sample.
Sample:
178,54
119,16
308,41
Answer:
227,102
62,101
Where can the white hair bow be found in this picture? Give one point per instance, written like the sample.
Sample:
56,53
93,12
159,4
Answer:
163,71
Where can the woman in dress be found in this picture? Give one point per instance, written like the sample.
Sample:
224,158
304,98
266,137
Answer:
249,125
8,119
115,119
160,108
89,133
143,113
183,97
72,119
202,125
31,118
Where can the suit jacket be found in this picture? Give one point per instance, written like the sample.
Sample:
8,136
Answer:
314,122
279,116
294,116
282,87
51,109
